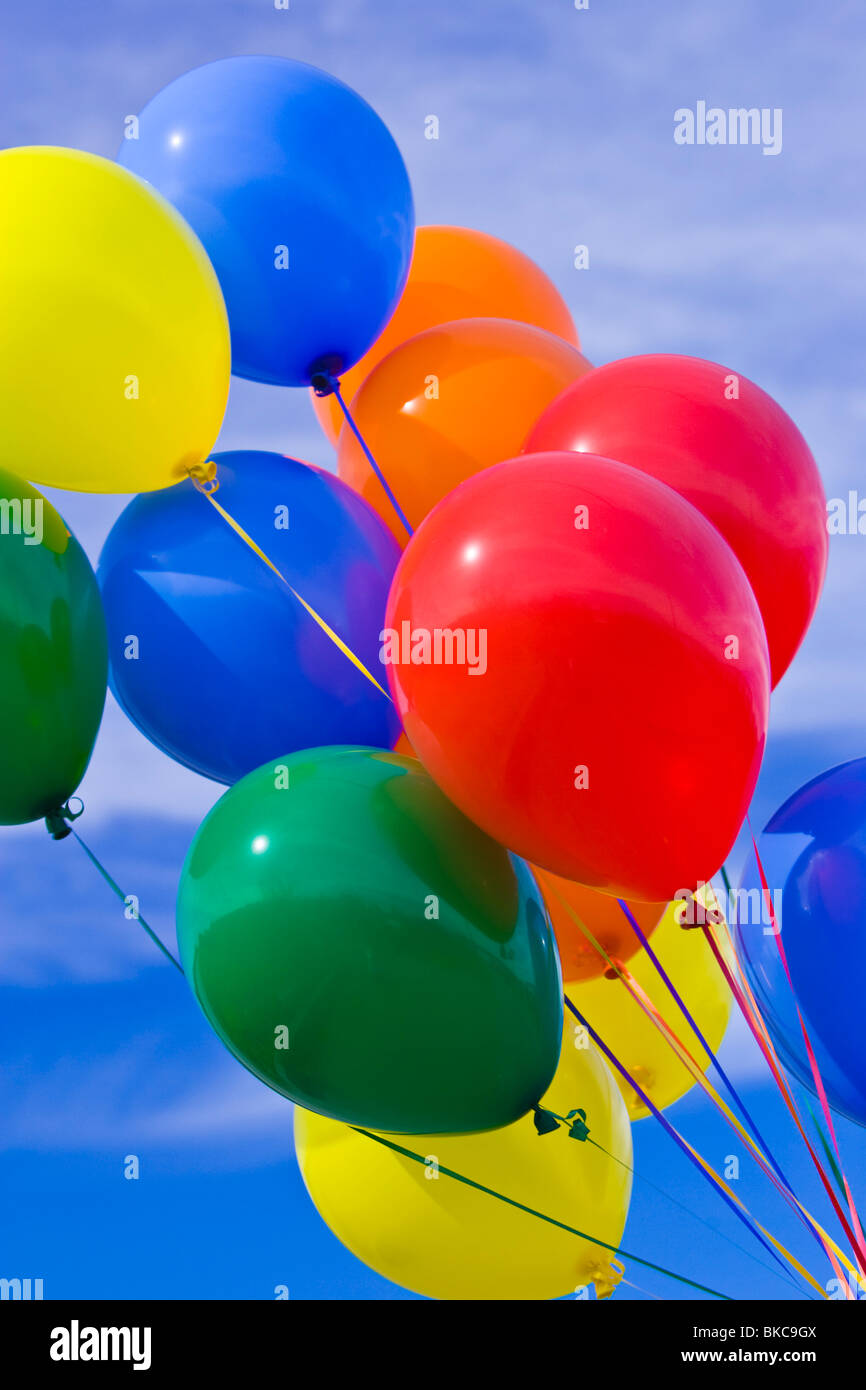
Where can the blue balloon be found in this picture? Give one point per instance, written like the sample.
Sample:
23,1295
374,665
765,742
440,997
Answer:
301,198
211,656
814,855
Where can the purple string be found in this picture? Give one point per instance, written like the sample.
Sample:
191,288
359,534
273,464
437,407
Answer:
741,1106
326,384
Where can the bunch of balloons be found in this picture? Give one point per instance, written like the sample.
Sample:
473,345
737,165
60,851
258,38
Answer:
510,664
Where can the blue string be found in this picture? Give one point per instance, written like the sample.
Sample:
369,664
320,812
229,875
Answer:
324,384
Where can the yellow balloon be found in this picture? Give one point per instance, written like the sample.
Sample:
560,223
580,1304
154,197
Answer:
438,1237
114,351
633,1039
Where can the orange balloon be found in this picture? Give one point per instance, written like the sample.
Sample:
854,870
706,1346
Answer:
404,746
457,273
602,915
447,404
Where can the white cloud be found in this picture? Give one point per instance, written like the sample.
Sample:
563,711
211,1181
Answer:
138,1100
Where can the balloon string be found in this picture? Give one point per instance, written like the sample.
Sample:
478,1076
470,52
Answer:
206,486
324,384
718,1184
115,888
674,1042
813,1061
656,1296
756,1025
749,1254
783,1184
645,1004
729,1086
828,1152
530,1211
749,1009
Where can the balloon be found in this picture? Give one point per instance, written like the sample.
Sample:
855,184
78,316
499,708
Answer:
726,445
366,951
212,657
430,1233
448,403
601,915
52,655
114,360
634,1040
301,198
814,855
599,652
573,907
457,273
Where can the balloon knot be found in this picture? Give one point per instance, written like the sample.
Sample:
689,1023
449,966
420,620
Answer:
579,1128
607,1277
58,822
323,383
615,970
204,477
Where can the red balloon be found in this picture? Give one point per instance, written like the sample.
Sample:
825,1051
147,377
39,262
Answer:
726,445
580,663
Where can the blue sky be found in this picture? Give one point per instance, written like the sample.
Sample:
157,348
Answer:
556,129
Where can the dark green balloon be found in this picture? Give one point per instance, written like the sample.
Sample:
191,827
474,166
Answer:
53,656
307,915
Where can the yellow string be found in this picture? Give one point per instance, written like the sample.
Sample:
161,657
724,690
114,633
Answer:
204,480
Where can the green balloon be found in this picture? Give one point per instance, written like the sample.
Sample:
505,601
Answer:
53,656
367,951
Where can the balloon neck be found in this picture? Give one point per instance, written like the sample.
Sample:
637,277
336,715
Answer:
58,822
545,1120
324,383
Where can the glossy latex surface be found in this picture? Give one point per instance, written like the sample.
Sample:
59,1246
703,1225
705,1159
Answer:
448,403
814,855
726,445
624,660
408,956
457,273
301,199
440,1238
114,355
226,668
53,662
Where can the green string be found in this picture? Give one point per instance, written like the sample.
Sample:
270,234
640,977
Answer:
123,897
530,1211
